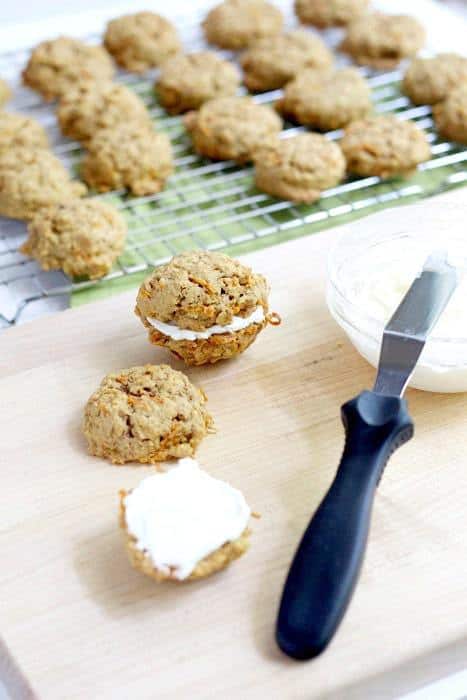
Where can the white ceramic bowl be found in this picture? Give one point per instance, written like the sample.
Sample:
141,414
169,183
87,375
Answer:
442,366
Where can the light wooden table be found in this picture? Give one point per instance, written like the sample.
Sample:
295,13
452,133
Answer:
82,624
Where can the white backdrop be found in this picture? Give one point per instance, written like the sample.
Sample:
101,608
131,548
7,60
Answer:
22,22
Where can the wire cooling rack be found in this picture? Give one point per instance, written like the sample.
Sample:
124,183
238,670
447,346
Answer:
211,205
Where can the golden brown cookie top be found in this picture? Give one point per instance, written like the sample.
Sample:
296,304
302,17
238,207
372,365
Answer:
451,115
272,61
145,414
32,179
5,92
382,40
329,13
82,237
235,24
56,66
94,105
231,127
199,289
300,167
186,81
429,80
326,99
19,130
128,155
142,40
384,145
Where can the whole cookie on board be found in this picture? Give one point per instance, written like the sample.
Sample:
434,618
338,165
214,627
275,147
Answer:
128,156
56,66
209,518
299,168
203,306
186,81
430,80
451,115
326,100
145,414
382,41
231,128
272,61
5,92
19,130
31,180
329,13
235,24
82,237
141,41
384,146
91,106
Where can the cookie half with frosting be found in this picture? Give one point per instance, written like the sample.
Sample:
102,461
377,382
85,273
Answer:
204,306
183,525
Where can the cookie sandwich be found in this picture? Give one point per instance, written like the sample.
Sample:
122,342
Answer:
204,307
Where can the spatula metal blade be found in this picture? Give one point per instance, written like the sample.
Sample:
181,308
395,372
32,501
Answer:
407,331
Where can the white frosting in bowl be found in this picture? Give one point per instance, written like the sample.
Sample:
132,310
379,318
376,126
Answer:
237,324
180,516
369,273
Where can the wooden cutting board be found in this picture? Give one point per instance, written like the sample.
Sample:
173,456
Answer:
80,623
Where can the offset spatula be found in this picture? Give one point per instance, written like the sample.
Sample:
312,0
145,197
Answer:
328,560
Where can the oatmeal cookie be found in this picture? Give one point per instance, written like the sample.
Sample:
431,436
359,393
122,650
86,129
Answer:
271,62
231,128
92,106
5,92
430,80
382,41
384,146
141,41
31,180
299,168
145,414
58,65
128,156
235,24
203,306
451,115
19,130
329,13
82,237
326,100
187,81
209,517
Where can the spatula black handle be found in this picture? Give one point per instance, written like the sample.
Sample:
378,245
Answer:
328,560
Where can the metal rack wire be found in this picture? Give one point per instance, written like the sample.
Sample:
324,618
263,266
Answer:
206,204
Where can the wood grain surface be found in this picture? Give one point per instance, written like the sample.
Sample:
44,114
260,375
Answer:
82,624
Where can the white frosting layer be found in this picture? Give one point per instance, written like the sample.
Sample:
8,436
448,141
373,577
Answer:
237,324
180,516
